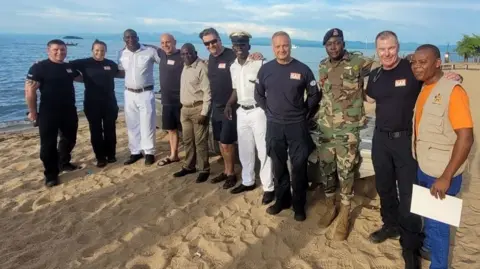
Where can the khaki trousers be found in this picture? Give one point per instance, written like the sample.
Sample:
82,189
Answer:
195,139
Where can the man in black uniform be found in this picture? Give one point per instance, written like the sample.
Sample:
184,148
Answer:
170,68
57,109
394,89
100,103
280,90
224,130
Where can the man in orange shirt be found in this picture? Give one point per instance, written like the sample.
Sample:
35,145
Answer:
443,137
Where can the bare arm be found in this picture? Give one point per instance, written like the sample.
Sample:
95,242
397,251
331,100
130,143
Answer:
31,87
461,149
233,98
120,74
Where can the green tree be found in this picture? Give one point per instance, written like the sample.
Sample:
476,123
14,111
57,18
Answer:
469,47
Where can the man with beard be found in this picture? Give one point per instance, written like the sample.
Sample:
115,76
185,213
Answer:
394,89
251,121
337,126
136,62
442,140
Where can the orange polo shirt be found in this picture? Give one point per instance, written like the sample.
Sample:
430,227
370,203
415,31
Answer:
458,110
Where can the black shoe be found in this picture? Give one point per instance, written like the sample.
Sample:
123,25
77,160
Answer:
101,163
230,182
111,159
300,216
149,159
268,197
411,258
383,234
277,208
51,182
202,177
184,172
241,188
68,167
133,159
424,253
219,178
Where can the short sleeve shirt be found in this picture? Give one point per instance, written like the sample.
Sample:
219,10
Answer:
56,83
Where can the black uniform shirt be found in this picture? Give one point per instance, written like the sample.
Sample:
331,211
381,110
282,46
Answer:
395,92
99,78
280,91
219,76
56,83
171,68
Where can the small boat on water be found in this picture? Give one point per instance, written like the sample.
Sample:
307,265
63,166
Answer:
294,46
71,44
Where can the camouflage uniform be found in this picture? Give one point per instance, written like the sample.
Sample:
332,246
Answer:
338,121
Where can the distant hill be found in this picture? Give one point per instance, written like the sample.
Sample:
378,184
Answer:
259,41
72,37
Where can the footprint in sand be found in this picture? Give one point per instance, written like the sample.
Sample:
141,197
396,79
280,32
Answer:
42,201
26,207
83,239
140,266
20,166
212,211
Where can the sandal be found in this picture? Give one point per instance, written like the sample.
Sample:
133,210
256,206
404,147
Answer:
166,161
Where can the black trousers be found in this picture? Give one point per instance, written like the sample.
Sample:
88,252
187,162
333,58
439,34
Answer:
51,121
393,163
295,139
102,118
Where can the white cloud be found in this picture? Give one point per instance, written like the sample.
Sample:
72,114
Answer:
225,26
59,13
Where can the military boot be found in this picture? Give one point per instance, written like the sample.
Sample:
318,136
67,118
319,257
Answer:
339,228
329,216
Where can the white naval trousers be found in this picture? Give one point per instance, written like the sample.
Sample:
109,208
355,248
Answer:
140,117
251,129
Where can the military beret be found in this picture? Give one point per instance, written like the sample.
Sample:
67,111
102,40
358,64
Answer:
240,37
335,32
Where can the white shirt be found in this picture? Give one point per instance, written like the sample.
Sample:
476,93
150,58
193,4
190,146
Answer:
138,66
243,80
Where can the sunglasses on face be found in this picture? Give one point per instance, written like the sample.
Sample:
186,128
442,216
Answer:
211,42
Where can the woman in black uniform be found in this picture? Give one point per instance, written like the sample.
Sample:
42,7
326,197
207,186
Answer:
100,103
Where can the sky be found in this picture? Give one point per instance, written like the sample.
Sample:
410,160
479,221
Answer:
420,21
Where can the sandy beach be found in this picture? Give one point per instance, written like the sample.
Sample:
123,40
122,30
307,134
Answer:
139,217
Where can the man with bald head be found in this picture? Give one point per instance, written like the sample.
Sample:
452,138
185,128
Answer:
170,71
135,62
195,98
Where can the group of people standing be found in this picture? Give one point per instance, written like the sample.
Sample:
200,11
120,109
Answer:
278,109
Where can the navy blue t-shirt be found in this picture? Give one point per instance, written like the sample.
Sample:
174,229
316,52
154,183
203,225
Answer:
56,83
395,92
280,91
219,76
99,78
171,68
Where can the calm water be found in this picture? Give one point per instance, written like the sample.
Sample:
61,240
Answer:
19,52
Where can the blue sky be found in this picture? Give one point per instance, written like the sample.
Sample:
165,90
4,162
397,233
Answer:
438,22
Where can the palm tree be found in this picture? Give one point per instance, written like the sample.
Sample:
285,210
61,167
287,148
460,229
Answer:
469,47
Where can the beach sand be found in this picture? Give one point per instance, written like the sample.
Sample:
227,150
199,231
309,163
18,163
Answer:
142,218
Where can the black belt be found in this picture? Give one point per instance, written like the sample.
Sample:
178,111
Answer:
395,134
144,89
250,107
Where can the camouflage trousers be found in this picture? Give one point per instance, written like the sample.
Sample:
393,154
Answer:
338,159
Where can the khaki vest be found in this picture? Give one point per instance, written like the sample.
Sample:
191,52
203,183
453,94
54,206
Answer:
433,146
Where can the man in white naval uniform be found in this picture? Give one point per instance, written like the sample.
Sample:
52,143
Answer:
136,62
251,119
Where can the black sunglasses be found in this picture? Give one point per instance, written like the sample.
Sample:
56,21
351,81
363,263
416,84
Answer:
211,42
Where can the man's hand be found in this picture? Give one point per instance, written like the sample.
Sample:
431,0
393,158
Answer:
202,120
228,112
32,116
453,76
440,187
256,56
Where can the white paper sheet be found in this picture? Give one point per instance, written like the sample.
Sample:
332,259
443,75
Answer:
448,210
